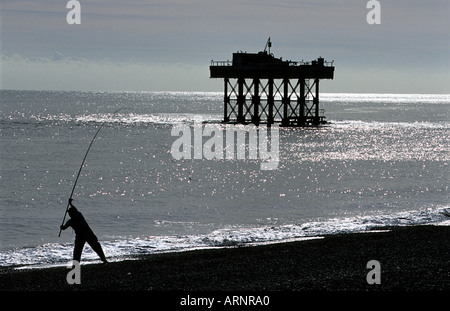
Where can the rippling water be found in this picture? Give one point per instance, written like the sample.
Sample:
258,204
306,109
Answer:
381,161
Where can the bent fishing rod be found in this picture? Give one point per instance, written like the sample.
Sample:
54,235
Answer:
81,167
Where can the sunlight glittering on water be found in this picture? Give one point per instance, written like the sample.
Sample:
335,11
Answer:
375,141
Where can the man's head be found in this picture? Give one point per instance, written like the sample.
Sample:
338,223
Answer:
72,211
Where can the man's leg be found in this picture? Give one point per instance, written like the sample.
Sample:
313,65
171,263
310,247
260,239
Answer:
98,249
79,244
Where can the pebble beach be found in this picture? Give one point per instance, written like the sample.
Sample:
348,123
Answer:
411,259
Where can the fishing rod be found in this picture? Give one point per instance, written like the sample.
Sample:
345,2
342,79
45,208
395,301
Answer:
81,167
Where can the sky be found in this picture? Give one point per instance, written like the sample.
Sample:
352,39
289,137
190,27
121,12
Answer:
167,45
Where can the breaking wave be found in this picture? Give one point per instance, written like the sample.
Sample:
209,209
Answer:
121,248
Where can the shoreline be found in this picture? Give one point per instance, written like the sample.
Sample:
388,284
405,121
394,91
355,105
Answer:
413,258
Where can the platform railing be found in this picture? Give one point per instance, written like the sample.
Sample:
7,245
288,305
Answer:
305,63
221,63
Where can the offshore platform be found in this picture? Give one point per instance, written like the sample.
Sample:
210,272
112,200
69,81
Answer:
259,88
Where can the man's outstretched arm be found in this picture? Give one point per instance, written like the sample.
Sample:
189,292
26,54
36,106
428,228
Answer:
67,225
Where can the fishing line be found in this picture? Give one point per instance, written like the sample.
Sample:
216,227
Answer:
81,167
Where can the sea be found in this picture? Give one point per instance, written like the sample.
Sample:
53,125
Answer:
381,161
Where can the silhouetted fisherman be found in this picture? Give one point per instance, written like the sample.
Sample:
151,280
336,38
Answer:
83,234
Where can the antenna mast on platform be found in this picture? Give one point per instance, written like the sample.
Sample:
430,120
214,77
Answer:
268,45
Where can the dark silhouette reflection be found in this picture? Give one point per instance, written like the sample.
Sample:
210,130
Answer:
83,234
